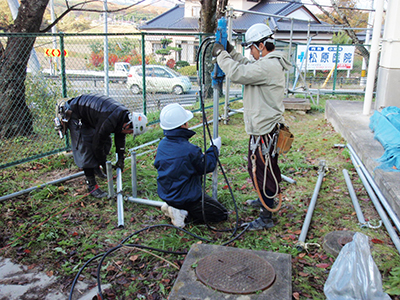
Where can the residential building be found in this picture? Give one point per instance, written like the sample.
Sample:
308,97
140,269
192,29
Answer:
289,20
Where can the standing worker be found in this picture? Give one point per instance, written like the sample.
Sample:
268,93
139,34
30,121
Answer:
180,166
91,119
264,87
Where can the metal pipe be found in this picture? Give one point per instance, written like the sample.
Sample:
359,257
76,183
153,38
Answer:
146,201
120,199
215,135
301,245
378,206
288,179
353,197
40,186
133,174
376,189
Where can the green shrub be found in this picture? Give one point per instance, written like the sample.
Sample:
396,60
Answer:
188,70
181,63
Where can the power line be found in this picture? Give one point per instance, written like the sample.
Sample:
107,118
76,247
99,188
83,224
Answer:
324,5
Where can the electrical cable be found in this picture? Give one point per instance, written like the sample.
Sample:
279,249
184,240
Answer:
205,125
207,42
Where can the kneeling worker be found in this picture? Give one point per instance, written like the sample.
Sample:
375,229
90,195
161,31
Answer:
180,166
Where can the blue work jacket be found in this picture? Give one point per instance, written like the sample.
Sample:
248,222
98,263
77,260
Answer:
180,166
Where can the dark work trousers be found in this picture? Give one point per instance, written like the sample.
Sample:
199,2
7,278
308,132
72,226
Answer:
272,170
81,140
213,210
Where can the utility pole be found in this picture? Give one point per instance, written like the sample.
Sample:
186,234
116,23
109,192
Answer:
388,87
363,79
106,81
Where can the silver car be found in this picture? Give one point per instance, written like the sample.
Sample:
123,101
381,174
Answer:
158,79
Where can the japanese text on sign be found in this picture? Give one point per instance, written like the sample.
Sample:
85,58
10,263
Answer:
323,57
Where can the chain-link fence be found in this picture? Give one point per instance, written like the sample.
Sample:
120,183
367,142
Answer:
68,65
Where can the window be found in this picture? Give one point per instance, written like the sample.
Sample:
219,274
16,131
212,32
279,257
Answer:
196,11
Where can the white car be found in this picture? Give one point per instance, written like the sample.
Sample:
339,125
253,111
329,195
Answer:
158,79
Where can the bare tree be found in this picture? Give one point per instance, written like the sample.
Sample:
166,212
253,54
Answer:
211,11
341,18
15,116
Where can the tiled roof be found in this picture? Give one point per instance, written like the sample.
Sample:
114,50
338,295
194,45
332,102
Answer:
173,19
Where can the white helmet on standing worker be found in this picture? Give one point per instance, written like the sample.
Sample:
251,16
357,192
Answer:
174,115
256,33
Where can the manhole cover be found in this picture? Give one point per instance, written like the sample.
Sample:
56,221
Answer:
235,272
344,240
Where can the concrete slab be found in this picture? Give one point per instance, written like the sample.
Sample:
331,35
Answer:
347,118
188,287
297,104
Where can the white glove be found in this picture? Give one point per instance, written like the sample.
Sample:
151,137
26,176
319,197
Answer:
217,143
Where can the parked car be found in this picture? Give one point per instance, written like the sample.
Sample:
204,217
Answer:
158,79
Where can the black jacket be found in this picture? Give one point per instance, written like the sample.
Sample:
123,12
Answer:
106,116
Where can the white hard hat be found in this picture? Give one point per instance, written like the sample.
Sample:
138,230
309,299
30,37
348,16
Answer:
138,121
174,115
256,33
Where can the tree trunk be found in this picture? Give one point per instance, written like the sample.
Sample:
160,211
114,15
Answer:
15,116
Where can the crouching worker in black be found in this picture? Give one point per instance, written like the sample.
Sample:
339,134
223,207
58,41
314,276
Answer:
91,119
180,166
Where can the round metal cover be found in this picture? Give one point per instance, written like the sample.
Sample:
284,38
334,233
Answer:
344,240
235,272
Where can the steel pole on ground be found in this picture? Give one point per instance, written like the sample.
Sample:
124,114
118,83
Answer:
353,197
301,245
378,206
146,201
40,186
376,189
120,199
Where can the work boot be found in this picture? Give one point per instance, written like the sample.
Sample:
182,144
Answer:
254,203
177,215
257,203
99,173
259,224
94,189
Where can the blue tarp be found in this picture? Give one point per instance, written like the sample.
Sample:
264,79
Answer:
386,127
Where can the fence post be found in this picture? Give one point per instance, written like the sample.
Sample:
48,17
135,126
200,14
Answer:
335,73
63,77
144,75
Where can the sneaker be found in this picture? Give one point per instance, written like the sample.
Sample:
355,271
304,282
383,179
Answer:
259,224
177,216
96,192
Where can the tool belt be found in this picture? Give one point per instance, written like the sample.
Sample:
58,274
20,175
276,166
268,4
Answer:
285,140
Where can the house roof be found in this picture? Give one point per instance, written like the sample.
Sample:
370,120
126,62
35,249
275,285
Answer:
173,19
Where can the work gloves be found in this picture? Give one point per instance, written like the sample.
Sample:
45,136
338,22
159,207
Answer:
217,143
217,48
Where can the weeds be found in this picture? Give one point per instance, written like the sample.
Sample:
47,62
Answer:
59,228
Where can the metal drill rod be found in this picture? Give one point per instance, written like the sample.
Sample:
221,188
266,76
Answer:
120,199
301,245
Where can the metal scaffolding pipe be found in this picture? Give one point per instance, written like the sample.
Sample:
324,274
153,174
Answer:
120,199
133,174
376,189
146,201
378,206
301,245
40,186
353,197
288,179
